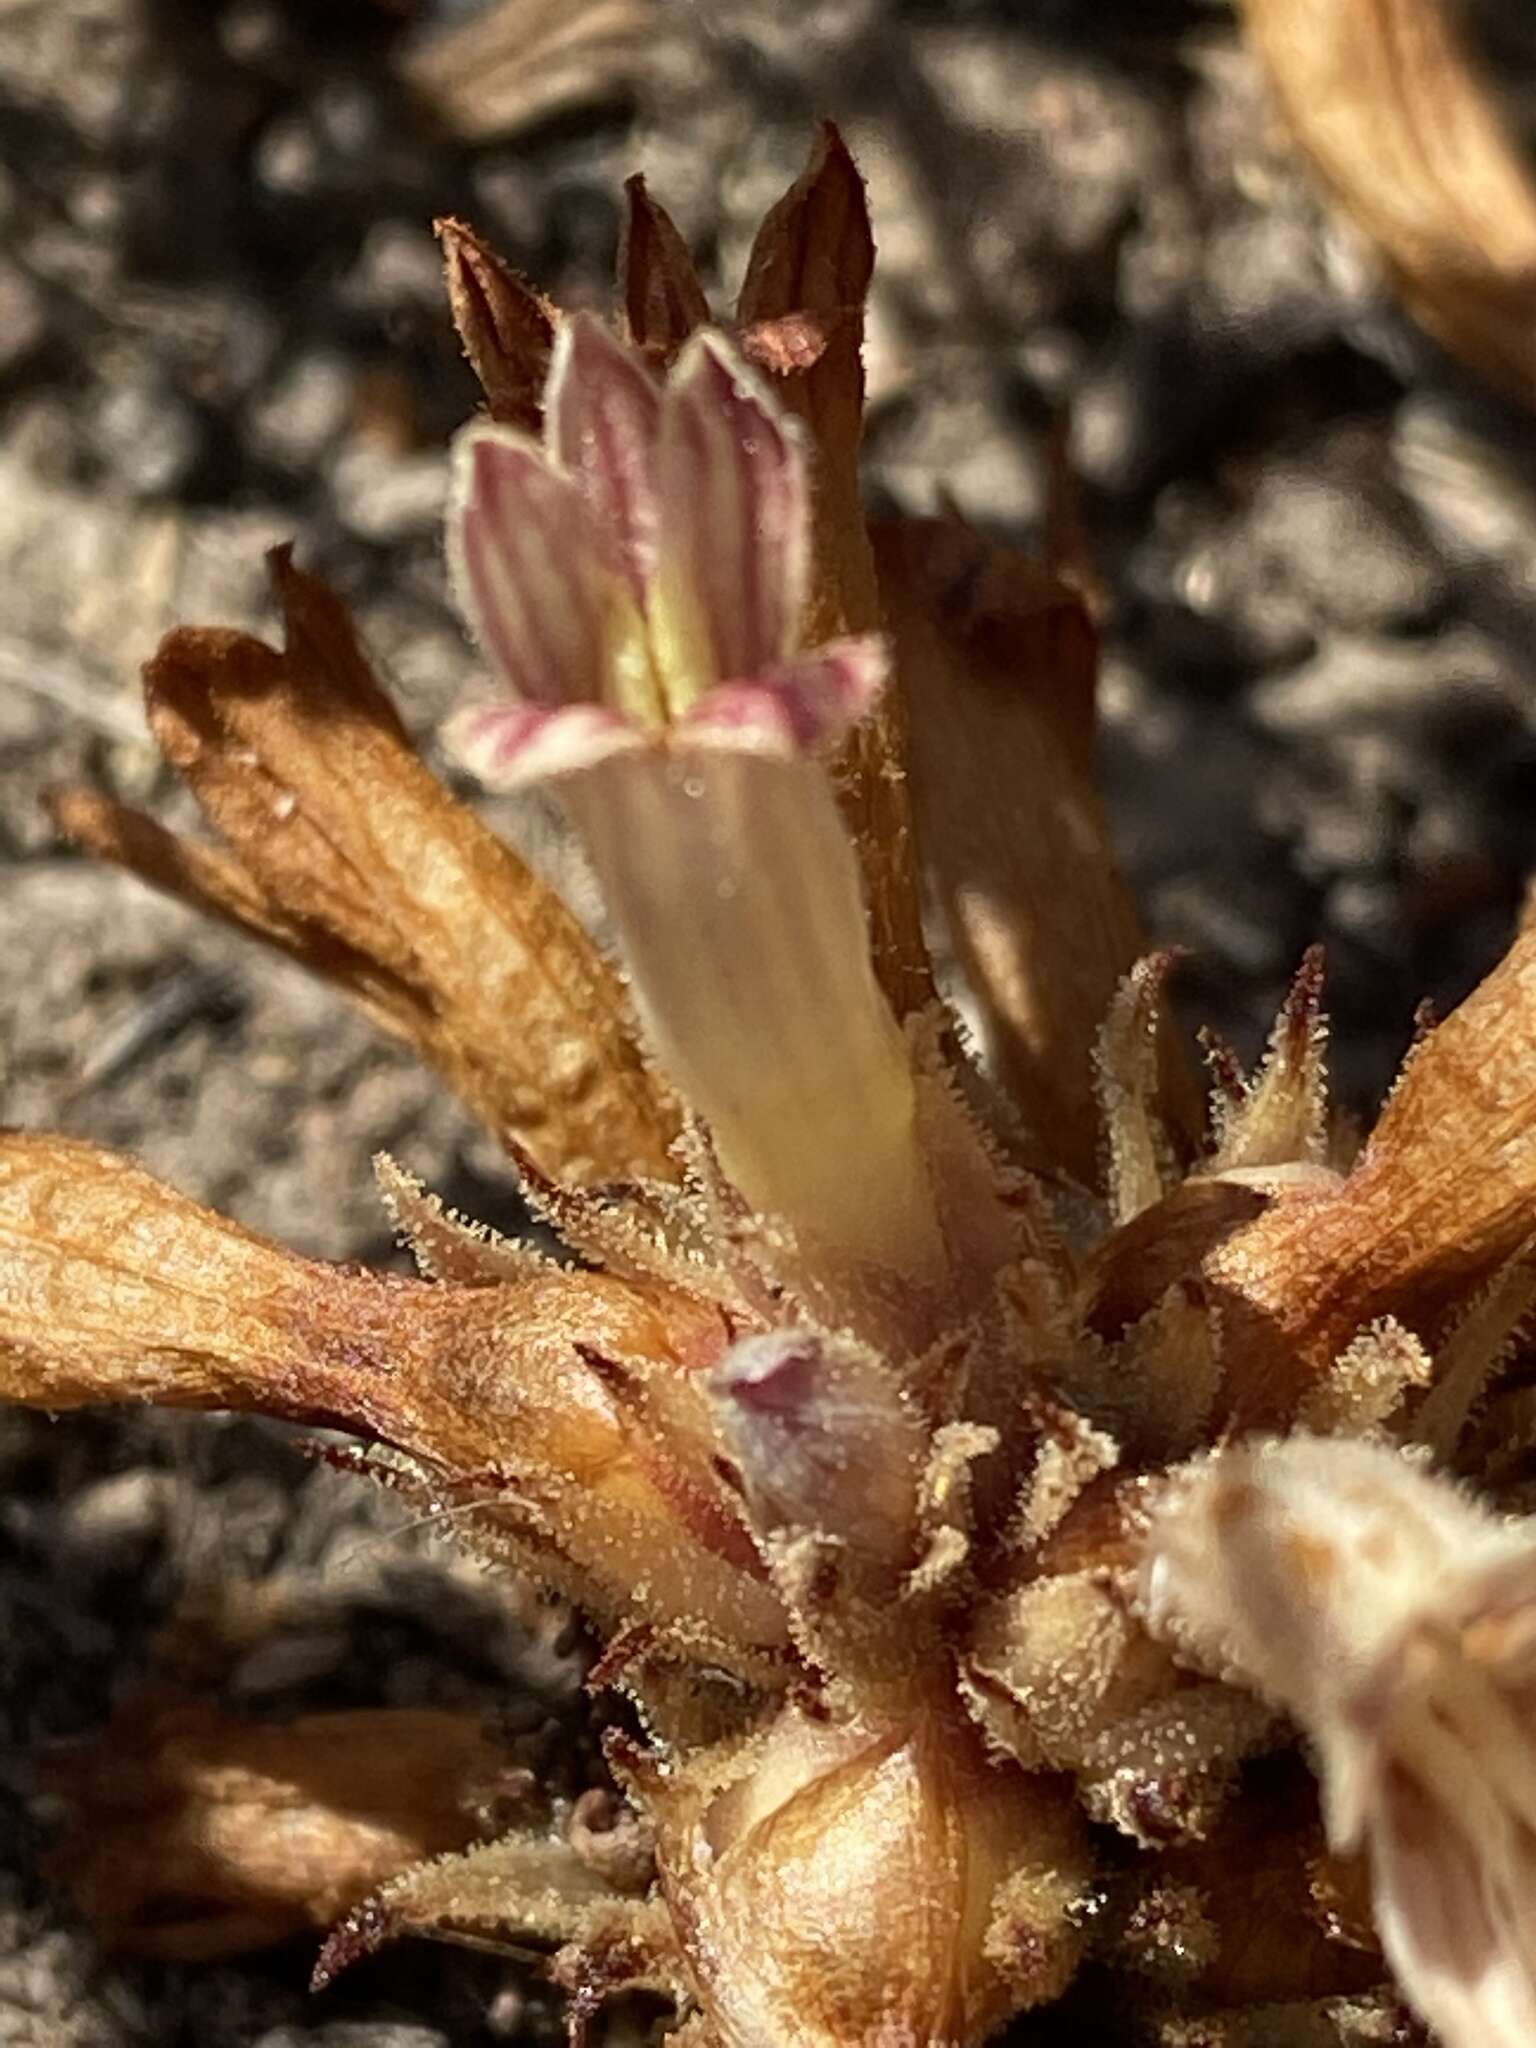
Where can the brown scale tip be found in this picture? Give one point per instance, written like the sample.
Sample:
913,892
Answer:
659,289
1304,1003
506,327
815,251
1224,1066
1160,1807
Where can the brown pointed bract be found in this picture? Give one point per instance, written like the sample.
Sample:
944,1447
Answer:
996,661
660,296
506,327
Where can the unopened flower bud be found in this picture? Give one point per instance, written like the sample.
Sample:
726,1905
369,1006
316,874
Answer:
825,1440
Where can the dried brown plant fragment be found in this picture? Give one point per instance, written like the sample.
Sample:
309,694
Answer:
194,1834
121,1289
506,68
997,661
345,851
1439,1200
1383,97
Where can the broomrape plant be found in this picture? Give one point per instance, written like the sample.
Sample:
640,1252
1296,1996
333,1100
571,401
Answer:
997,1487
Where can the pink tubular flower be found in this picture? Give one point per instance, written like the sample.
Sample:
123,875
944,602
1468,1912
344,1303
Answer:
1397,1621
637,581
638,577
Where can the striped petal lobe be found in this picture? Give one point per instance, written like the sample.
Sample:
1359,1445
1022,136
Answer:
735,512
511,746
602,415
797,708
528,566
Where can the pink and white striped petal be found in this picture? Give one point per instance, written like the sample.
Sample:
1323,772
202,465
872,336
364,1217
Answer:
509,746
735,508
527,565
602,412
798,708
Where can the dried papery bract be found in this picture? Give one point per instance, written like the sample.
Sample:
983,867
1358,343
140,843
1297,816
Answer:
996,661
507,328
812,259
120,1288
345,851
1383,97
1398,1622
1438,1201
660,296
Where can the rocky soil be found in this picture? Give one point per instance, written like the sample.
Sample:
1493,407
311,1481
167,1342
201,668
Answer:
220,326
